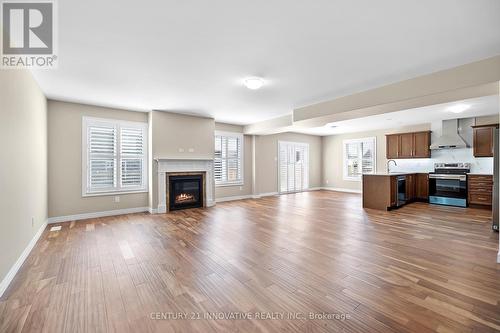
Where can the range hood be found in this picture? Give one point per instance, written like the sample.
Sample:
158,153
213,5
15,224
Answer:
449,139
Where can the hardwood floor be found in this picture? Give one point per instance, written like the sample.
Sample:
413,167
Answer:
422,268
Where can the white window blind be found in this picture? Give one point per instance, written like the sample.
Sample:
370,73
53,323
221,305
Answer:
293,166
359,158
114,156
228,159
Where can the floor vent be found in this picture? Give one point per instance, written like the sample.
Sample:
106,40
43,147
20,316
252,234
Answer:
58,228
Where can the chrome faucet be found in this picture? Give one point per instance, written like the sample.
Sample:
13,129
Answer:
388,166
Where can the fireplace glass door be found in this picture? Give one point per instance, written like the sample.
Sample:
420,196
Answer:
185,191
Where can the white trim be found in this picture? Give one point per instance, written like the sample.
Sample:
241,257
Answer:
314,189
240,137
498,260
103,194
19,262
178,165
306,167
339,189
233,198
344,157
118,124
60,219
268,194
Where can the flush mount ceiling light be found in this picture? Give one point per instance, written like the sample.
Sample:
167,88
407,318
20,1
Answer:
253,83
459,108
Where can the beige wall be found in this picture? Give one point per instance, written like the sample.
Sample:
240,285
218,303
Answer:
65,160
23,171
246,188
266,163
333,155
171,133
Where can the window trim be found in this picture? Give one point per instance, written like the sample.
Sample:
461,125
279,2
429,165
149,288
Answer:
240,136
344,157
88,121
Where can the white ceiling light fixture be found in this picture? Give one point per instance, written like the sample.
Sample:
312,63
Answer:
253,83
459,108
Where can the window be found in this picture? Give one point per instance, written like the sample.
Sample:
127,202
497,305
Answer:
293,166
114,156
359,158
228,161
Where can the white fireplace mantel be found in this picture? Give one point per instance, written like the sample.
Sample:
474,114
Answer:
166,165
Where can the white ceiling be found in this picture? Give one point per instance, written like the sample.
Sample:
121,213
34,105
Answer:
191,56
483,106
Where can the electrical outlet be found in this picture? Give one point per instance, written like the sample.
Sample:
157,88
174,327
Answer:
191,150
241,188
326,181
117,198
181,150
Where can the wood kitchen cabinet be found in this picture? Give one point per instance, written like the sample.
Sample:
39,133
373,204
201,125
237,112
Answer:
421,144
480,189
422,186
392,146
410,187
408,145
380,191
483,140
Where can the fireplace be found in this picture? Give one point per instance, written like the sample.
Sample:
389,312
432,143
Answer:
185,190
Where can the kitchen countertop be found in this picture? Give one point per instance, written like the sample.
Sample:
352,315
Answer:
384,173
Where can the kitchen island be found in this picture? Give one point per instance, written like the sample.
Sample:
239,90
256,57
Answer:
383,191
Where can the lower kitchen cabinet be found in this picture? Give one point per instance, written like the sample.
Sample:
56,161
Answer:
422,186
380,191
480,189
410,187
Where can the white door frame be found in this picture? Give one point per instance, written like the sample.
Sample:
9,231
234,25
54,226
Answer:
302,144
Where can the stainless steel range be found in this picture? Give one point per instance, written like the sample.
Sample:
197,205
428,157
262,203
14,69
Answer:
448,184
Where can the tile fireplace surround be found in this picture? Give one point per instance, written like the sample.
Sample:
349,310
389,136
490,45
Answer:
166,165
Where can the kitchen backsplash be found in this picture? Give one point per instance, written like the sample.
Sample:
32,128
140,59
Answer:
478,165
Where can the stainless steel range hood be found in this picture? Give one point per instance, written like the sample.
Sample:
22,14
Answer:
450,139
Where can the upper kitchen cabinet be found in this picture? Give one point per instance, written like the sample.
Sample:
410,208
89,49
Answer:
408,145
483,140
392,146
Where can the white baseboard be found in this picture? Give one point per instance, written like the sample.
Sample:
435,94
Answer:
338,189
314,189
152,210
257,196
59,219
4,284
268,194
233,198
498,259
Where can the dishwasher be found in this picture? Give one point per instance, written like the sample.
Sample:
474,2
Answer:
401,186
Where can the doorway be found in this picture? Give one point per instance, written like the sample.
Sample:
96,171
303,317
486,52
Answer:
293,166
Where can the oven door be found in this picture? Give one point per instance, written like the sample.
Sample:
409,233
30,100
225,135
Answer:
448,189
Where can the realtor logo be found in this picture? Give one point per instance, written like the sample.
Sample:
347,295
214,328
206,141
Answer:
28,34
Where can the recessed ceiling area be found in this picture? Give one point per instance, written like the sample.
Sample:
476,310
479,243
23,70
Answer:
192,56
474,107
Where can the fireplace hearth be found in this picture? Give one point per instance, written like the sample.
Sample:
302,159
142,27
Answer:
185,191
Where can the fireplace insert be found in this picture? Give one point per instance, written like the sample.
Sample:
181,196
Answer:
185,191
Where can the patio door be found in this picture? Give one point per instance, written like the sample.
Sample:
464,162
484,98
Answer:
293,166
